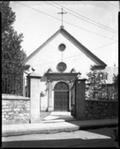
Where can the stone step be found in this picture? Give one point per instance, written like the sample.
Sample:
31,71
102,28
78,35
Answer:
56,116
52,121
38,128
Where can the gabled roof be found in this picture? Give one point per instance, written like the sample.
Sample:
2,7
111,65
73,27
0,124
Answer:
100,63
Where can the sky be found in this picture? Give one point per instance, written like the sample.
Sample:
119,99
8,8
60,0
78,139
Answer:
93,23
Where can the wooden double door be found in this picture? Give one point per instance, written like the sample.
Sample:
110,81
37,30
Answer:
61,97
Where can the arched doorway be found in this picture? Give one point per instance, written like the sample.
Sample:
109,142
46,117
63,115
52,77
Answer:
61,97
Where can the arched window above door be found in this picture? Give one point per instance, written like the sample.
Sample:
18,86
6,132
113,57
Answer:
61,86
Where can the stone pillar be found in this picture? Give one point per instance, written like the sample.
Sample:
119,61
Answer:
69,99
50,100
79,98
70,95
35,98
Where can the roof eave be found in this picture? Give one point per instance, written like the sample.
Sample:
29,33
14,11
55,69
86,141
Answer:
82,48
98,67
40,47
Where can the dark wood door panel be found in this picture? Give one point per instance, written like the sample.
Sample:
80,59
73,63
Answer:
61,101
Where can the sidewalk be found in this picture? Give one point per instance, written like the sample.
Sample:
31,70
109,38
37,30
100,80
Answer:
54,127
85,124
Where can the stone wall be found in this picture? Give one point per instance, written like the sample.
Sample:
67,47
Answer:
100,109
92,109
15,109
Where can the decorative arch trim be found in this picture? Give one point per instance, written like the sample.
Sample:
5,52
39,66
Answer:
61,86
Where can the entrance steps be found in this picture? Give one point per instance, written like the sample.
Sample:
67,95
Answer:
45,128
54,117
37,128
49,122
58,116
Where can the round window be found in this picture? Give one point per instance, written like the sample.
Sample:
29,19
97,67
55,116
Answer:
61,66
62,47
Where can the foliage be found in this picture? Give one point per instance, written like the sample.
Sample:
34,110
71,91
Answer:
8,16
115,83
13,55
98,87
11,49
96,79
11,52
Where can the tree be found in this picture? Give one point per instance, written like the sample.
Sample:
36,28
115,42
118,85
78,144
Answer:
115,83
96,80
8,16
13,55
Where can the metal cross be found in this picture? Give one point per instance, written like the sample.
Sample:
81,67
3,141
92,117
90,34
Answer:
62,13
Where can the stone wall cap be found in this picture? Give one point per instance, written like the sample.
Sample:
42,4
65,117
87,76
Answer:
35,74
14,97
98,100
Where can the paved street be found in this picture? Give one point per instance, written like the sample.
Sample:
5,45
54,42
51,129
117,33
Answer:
102,137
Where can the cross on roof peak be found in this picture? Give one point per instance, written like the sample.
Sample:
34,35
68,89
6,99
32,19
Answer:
62,13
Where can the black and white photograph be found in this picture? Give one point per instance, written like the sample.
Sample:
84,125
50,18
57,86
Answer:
59,74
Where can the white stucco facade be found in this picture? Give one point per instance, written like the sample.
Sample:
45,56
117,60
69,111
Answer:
42,83
49,56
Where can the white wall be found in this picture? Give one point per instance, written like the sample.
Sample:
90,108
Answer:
35,99
44,99
49,56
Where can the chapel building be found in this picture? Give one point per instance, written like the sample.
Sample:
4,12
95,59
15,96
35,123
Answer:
57,64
